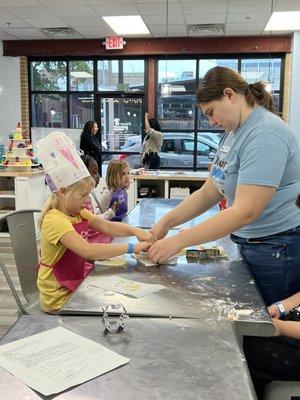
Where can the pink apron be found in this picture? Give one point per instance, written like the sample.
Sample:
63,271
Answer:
95,236
71,269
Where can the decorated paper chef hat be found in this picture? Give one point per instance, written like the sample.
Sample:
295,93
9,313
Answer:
61,161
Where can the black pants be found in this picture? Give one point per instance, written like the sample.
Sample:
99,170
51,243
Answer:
151,161
272,358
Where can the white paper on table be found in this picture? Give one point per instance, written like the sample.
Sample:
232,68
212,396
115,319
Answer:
57,359
117,284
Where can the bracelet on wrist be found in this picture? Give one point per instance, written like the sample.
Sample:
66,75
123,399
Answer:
281,309
130,248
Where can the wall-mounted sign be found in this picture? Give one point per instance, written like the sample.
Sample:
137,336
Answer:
114,43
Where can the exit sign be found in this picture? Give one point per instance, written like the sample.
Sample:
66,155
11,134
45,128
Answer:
114,43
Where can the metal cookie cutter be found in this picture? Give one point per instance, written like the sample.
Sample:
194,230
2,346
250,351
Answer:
196,255
113,318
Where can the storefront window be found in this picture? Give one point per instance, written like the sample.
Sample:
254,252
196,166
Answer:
81,75
262,69
181,74
120,119
49,110
176,112
82,109
121,75
49,75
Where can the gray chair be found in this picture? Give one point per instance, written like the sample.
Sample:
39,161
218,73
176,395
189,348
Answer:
21,227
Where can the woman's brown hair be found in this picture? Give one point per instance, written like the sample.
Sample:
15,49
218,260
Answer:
219,78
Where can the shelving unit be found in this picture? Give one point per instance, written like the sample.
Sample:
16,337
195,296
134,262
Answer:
20,191
164,181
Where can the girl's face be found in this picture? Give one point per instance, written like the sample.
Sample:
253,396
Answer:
74,202
125,180
95,129
94,171
223,113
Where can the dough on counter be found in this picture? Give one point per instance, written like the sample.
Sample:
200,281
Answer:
119,261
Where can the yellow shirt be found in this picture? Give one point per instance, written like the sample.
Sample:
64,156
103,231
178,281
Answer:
55,224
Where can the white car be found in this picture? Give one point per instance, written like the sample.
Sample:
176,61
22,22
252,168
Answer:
177,150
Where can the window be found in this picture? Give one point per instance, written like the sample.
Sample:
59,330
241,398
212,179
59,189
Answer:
181,74
49,75
121,75
81,108
262,69
120,119
49,110
81,75
176,112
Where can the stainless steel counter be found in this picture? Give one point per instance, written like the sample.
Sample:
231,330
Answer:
169,359
149,211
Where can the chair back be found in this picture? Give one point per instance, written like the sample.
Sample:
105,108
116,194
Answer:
21,226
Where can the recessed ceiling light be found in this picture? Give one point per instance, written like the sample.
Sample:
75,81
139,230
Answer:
284,21
127,25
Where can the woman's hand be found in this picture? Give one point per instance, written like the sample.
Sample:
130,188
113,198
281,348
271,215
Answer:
143,246
163,249
273,311
144,236
159,230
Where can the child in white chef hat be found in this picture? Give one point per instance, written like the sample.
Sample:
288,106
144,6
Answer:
64,224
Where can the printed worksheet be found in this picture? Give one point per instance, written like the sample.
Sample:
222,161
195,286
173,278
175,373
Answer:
127,287
57,359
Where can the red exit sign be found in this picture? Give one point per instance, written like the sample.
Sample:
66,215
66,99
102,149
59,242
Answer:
114,43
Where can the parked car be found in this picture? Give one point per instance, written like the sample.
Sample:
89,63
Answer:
177,150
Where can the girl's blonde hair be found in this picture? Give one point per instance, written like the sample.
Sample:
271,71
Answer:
114,174
54,201
219,78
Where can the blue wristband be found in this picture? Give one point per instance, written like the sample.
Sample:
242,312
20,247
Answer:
281,309
130,248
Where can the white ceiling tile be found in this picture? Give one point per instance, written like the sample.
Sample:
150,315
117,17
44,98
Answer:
80,11
31,12
204,8
6,36
12,23
154,8
26,33
105,2
97,32
5,14
63,3
287,5
205,19
237,6
173,29
19,3
161,19
247,17
46,22
110,10
87,21
247,27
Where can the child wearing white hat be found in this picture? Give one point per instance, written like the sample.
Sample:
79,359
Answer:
64,224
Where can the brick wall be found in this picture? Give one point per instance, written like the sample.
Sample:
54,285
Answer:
287,87
24,93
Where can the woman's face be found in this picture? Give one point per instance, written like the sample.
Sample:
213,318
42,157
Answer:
95,128
224,113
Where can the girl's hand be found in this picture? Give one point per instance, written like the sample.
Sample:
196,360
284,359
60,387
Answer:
147,115
159,230
142,246
115,206
144,236
273,311
278,325
163,249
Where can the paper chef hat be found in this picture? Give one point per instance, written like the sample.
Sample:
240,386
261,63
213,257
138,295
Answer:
61,161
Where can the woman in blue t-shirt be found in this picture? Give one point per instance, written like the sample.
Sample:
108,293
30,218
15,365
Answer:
257,168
